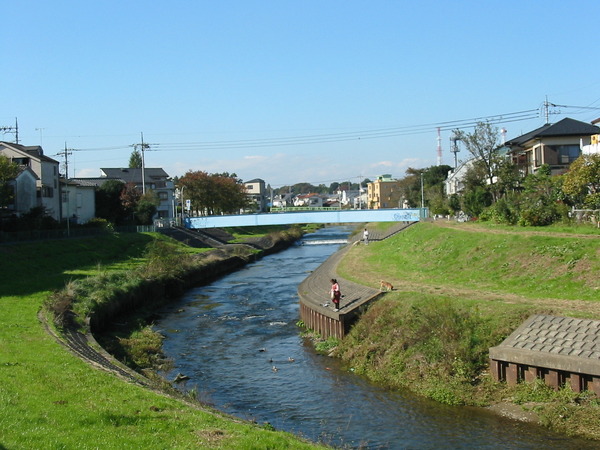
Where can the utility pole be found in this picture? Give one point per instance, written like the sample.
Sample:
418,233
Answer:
143,146
454,148
439,147
66,152
422,195
547,112
14,130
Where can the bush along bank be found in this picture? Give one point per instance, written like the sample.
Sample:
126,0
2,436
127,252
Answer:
93,304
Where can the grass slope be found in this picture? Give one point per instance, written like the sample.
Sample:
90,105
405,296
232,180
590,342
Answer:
460,289
51,399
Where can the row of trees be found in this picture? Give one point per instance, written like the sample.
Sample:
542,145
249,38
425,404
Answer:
216,193
307,188
495,190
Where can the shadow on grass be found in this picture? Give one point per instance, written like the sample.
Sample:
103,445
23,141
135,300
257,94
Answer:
38,266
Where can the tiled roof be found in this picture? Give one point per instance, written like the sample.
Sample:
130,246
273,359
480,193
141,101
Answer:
34,151
134,175
90,181
565,127
562,343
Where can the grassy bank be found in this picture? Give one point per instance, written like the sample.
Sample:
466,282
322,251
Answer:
460,289
51,399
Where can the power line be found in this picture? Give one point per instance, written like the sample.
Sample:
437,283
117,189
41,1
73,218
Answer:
352,136
368,134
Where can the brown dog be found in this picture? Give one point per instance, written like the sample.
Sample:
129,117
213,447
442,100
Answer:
386,285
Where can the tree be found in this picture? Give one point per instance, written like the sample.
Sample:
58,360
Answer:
108,202
145,209
582,181
130,197
135,160
214,193
8,172
483,145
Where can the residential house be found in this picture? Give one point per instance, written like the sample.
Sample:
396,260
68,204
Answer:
45,169
454,183
258,194
78,200
308,200
556,145
283,200
155,180
383,193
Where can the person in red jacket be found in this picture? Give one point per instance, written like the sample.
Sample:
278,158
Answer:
336,294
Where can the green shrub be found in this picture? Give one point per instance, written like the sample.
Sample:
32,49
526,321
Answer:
98,222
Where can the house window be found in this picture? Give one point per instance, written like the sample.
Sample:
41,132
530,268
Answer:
47,192
163,196
538,156
567,153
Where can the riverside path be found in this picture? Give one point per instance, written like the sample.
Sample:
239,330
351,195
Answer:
316,309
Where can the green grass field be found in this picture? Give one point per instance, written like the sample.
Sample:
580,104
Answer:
51,399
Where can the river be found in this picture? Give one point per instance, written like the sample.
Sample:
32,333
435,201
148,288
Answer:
238,341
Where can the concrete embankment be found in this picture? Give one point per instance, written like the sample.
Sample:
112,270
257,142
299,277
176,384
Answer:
154,292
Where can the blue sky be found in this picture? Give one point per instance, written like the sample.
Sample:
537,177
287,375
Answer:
288,91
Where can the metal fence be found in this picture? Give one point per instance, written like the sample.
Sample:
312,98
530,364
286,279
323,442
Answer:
39,235
586,215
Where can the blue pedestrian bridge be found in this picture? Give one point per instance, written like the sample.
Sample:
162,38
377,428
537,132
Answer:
288,218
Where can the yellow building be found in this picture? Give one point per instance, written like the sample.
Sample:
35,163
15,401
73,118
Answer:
383,193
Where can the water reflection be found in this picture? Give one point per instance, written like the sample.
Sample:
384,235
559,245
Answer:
228,338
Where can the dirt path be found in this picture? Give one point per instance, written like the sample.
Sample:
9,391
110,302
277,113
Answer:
479,229
371,277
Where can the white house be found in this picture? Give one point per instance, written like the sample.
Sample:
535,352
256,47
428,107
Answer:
454,183
283,200
313,200
78,201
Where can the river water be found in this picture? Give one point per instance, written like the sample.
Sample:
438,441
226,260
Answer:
238,341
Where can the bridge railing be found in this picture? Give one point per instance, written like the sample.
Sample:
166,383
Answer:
289,218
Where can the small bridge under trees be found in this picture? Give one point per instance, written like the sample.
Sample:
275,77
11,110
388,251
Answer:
288,218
